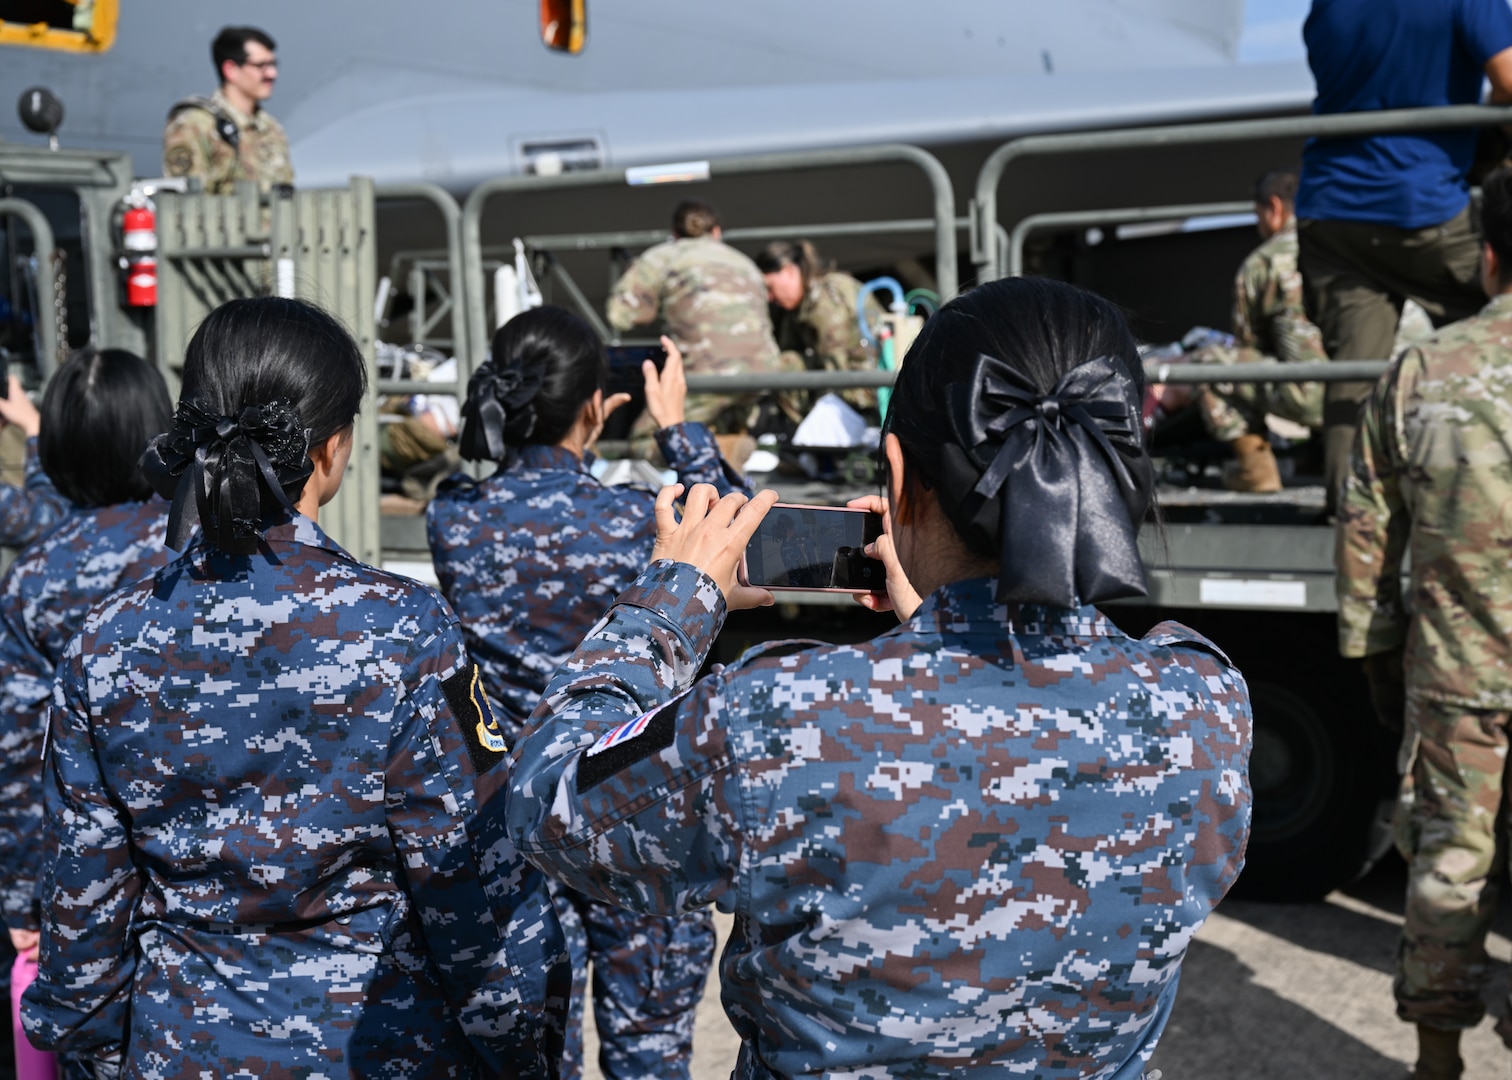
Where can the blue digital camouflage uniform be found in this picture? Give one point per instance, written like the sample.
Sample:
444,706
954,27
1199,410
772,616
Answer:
530,559
44,597
263,774
983,839
27,512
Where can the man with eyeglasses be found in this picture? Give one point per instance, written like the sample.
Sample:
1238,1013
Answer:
229,136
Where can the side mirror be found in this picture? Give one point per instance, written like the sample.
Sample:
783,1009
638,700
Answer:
41,112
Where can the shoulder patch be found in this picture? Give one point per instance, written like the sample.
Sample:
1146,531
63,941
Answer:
179,161
480,728
630,742
1174,633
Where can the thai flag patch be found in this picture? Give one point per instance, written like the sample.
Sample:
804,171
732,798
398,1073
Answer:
623,733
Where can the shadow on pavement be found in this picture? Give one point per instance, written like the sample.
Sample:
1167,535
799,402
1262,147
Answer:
1352,935
1245,1030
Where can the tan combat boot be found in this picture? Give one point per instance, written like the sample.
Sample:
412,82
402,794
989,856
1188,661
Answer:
1438,1055
1254,466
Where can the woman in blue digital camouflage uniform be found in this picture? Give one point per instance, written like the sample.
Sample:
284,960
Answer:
978,843
27,512
530,559
263,771
99,412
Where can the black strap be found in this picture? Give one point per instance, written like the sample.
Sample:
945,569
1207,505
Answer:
225,127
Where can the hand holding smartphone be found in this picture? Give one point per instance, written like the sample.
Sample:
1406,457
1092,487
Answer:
814,549
625,375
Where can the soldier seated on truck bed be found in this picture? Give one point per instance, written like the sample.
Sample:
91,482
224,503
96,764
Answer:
1269,326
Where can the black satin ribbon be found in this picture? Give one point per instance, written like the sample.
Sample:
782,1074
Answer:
253,456
498,396
1047,476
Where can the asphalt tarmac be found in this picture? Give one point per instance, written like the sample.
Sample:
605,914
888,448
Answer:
1289,991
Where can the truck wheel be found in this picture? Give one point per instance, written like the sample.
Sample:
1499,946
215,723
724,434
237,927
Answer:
1319,775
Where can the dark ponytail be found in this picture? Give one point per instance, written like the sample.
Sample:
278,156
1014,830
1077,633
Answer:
1019,407
265,379
546,365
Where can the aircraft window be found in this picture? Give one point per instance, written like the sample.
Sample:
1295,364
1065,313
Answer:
68,25
563,155
564,25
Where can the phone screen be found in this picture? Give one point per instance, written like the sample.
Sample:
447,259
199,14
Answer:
815,547
625,361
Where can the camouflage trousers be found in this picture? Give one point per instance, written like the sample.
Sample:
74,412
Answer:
1231,410
1451,826
648,977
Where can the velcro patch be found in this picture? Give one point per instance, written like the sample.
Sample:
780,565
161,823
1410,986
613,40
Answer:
480,729
630,742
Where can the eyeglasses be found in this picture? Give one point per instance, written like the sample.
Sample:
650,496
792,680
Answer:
260,65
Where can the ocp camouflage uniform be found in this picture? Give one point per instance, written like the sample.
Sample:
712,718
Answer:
29,511
530,559
1269,326
44,597
980,841
263,772
823,330
194,146
712,302
1431,478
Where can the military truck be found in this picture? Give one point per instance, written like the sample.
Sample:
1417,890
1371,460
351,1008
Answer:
1254,573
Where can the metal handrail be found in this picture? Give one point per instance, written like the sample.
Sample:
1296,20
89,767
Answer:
939,181
984,209
47,299
451,214
1162,372
1268,372
1078,218
646,237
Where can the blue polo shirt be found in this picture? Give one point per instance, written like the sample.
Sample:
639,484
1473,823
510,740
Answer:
1396,54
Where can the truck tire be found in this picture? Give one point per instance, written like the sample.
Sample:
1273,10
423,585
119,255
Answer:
1321,768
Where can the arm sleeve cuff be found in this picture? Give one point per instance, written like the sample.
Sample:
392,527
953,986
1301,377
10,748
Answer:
684,596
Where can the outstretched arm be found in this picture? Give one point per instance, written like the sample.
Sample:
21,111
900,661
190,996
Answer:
625,788
690,448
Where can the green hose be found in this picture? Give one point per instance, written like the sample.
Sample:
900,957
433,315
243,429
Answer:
886,361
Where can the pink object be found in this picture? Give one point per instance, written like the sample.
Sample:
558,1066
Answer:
31,1063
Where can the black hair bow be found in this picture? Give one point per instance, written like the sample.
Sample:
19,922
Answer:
237,468
1047,476
498,397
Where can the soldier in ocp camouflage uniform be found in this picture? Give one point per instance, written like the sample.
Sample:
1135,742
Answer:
711,300
1431,479
1269,326
814,312
264,769
229,136
530,559
824,325
980,842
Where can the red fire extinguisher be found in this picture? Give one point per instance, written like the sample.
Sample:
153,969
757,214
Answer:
139,241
